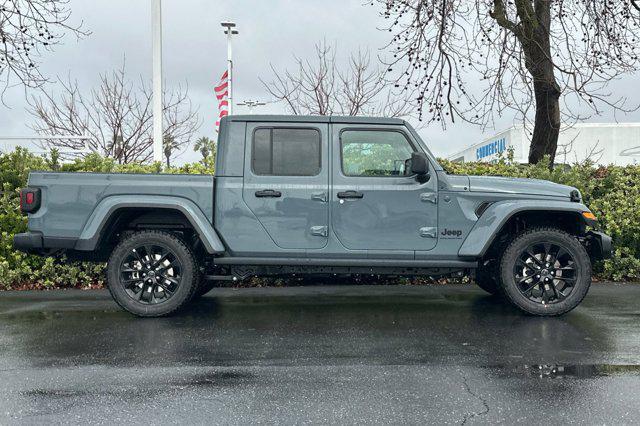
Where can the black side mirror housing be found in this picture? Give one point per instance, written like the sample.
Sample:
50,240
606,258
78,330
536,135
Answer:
419,164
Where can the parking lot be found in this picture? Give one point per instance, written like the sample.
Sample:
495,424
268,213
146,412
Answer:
321,354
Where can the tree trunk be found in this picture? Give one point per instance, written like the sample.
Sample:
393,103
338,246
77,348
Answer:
536,44
547,123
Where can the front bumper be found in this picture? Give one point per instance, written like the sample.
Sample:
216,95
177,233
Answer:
599,245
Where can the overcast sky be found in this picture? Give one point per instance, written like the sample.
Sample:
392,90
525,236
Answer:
271,32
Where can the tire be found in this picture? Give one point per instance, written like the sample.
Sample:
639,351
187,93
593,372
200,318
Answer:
545,271
486,278
152,274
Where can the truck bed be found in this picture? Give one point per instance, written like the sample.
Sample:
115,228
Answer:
69,199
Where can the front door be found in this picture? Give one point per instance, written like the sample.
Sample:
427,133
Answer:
286,182
375,206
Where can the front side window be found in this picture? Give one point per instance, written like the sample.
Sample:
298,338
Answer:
286,152
374,153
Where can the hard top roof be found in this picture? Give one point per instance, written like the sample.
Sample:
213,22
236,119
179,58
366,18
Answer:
315,119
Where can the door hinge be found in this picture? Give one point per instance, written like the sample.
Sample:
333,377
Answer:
429,197
320,196
320,231
428,232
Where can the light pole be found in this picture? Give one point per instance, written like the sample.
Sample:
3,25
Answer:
230,31
156,30
251,105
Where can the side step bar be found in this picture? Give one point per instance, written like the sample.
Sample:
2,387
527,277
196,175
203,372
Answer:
300,261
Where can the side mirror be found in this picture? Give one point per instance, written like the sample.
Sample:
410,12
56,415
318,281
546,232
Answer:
419,164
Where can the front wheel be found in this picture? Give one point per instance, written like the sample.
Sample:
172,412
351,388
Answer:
152,274
545,271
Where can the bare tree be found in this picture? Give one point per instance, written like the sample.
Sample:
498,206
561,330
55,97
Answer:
27,29
320,87
544,59
116,117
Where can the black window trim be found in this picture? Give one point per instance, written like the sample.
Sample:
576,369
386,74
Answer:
372,129
271,128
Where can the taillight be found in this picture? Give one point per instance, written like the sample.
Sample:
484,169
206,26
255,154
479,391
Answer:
29,200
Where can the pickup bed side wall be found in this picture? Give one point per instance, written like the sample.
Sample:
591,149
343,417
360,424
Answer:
492,220
71,200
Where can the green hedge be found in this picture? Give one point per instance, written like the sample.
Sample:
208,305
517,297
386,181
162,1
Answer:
613,193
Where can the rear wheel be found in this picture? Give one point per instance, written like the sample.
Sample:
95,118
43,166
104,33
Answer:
545,271
152,274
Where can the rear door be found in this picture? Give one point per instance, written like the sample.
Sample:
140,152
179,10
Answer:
375,206
286,182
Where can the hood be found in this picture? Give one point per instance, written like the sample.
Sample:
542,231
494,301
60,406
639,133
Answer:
519,186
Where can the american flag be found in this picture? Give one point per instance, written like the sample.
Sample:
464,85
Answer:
222,93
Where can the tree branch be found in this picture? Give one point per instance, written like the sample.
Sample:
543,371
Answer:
116,116
322,88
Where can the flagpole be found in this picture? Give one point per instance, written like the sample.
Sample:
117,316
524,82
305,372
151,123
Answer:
230,32
230,71
156,16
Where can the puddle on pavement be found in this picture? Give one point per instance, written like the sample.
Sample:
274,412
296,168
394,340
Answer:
580,371
214,379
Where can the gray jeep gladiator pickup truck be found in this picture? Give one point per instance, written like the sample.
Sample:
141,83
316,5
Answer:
316,195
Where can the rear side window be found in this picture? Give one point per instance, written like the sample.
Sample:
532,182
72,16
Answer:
286,152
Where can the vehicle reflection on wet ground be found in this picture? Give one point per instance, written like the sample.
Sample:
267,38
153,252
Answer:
383,354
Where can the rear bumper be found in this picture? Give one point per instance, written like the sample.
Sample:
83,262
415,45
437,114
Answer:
600,245
36,243
28,242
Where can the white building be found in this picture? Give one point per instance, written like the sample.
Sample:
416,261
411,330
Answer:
603,143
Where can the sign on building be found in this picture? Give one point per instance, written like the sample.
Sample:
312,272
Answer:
497,146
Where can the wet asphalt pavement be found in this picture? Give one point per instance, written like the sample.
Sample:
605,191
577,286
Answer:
340,355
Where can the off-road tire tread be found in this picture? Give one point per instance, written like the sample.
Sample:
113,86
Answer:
190,258
570,239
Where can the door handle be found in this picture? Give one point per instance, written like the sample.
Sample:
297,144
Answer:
350,194
268,193
319,196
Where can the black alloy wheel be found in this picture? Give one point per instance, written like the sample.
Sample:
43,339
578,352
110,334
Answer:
545,273
151,274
